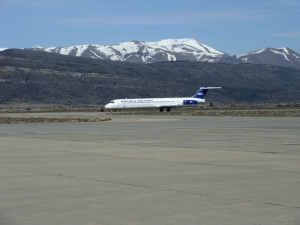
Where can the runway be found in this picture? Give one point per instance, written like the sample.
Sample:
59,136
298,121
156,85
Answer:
151,170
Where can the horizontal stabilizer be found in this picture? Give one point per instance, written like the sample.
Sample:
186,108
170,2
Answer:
209,88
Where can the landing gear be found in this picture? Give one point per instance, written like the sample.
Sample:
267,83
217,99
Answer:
162,109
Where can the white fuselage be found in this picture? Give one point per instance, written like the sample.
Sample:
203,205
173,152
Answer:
153,103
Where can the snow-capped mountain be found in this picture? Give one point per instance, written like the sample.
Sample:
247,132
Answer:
144,52
273,56
187,49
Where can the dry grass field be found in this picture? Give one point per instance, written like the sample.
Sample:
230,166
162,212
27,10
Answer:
6,112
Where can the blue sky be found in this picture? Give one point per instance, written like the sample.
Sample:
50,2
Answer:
232,26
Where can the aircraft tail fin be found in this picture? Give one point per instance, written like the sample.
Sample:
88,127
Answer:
202,92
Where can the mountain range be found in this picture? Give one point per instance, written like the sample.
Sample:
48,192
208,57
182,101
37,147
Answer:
187,49
42,77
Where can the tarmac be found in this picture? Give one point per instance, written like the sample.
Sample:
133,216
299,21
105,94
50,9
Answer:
151,170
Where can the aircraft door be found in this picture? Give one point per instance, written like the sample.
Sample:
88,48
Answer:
179,102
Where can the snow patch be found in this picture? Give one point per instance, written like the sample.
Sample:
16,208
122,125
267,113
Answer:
2,49
171,57
96,56
50,49
251,53
284,49
239,56
280,53
115,58
66,51
296,56
81,49
260,51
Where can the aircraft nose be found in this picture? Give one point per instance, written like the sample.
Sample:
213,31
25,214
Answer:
107,106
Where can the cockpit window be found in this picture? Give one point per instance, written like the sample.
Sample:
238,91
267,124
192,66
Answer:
112,102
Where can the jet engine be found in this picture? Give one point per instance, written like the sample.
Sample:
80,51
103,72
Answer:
190,102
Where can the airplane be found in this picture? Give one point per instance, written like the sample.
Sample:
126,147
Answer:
161,103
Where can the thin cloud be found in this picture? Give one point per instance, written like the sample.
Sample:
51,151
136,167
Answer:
287,34
286,2
289,6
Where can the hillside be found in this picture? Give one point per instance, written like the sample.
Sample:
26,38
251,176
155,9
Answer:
41,77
